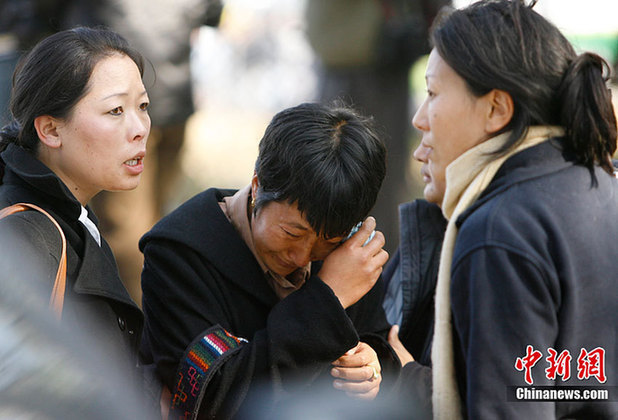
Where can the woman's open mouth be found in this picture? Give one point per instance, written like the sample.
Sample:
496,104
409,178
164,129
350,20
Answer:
134,162
135,166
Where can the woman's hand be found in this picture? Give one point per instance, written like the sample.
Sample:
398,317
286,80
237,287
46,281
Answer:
352,269
358,372
393,339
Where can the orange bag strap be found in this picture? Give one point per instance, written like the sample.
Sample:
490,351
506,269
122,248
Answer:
56,302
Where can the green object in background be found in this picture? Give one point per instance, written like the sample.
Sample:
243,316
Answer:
606,45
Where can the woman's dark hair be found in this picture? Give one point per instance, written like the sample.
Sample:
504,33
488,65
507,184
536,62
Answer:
328,160
54,76
504,44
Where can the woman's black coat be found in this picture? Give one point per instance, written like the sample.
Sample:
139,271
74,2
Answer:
201,282
535,265
96,304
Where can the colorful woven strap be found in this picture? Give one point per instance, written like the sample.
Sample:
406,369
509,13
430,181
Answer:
196,368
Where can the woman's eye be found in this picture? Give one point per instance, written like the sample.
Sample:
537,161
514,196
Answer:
430,93
144,106
116,111
291,234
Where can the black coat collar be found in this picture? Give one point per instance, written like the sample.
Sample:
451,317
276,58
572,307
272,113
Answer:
23,167
201,225
29,180
100,276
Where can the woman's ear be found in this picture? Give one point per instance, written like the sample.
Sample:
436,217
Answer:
254,185
47,130
501,110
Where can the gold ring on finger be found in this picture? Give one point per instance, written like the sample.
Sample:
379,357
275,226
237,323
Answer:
376,374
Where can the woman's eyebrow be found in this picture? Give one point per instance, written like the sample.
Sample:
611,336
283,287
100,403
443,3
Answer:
296,225
122,94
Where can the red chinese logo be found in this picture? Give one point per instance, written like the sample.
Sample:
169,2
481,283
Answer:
558,364
589,364
527,362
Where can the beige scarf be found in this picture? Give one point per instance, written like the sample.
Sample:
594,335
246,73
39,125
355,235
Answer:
466,178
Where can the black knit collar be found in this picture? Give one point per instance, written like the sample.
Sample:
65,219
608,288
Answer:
22,167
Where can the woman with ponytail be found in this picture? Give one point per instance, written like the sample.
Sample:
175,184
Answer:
518,132
80,126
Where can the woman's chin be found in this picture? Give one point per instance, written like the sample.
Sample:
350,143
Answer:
125,186
280,268
432,195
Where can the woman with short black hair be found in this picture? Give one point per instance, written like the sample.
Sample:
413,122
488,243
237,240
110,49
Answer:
251,297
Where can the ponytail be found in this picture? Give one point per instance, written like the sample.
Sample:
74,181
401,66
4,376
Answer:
9,134
587,112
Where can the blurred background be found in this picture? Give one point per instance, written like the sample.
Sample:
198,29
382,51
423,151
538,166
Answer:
232,65
259,61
